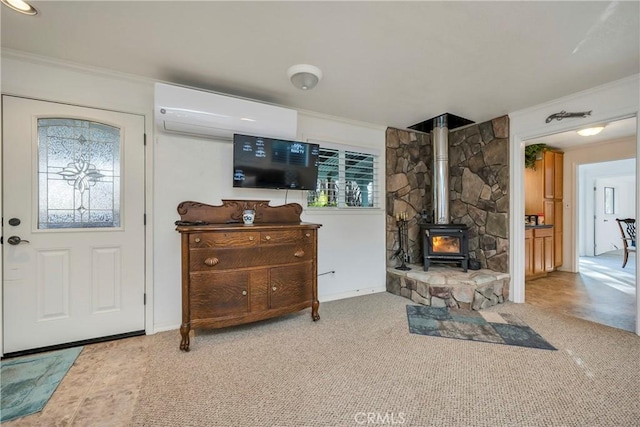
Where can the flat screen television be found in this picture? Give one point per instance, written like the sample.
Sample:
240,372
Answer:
260,162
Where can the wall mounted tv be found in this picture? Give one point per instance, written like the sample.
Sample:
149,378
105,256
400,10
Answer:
260,162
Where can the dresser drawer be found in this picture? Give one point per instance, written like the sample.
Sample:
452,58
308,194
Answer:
286,236
286,254
224,259
238,239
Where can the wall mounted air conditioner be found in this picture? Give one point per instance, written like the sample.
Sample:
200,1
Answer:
194,112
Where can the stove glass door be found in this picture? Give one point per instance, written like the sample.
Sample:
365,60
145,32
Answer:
445,245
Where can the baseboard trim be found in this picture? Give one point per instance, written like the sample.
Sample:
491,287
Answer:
351,294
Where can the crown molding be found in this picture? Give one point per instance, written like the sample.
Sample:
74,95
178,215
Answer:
628,81
71,66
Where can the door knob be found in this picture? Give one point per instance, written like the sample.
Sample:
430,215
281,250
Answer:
15,240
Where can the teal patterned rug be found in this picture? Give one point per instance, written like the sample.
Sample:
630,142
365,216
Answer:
28,382
499,328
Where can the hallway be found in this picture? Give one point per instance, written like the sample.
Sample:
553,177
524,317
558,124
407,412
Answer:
602,292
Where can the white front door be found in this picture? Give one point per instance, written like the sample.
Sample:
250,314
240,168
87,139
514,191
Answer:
607,234
73,223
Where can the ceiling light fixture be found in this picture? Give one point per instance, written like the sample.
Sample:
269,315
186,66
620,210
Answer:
304,76
591,131
20,6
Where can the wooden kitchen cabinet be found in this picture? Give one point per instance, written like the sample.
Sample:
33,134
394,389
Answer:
549,248
544,194
528,253
234,274
539,252
553,174
553,210
549,210
558,206
558,174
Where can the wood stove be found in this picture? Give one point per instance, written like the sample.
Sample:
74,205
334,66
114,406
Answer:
447,243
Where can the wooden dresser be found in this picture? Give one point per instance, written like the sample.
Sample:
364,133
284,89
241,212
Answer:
234,273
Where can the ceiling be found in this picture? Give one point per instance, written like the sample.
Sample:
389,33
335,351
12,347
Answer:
613,130
385,63
622,170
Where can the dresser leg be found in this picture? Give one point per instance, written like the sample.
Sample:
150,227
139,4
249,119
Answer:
314,310
185,328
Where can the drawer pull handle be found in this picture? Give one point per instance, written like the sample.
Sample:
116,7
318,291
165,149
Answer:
308,234
244,292
197,240
274,289
251,237
267,237
211,261
299,254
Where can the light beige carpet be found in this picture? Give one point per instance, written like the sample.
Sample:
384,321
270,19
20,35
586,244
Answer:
360,364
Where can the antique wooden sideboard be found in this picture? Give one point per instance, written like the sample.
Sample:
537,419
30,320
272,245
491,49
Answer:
234,273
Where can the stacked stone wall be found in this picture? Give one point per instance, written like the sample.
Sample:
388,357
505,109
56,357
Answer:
408,188
479,189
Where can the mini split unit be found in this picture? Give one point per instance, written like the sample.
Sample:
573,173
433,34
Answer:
210,115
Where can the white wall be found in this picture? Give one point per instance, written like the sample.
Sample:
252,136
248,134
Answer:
183,168
190,168
351,243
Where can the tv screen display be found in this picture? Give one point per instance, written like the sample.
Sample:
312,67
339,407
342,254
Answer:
260,162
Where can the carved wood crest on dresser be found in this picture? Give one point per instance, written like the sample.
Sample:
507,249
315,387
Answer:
234,273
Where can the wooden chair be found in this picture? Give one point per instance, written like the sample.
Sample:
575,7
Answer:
628,231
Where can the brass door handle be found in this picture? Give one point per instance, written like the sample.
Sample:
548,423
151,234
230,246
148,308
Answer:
267,237
250,237
274,289
299,254
244,292
197,240
211,261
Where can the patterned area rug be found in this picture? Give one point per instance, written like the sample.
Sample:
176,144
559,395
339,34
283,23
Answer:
28,382
499,328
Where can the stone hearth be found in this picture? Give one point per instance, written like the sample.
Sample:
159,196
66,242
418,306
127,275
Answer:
444,286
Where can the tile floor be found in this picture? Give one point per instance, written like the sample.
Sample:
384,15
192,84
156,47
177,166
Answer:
602,292
100,389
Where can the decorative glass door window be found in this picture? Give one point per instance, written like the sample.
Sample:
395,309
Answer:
78,174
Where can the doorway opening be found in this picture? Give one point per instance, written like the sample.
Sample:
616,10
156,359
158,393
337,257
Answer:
599,186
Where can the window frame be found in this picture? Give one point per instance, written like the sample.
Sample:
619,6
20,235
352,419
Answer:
378,181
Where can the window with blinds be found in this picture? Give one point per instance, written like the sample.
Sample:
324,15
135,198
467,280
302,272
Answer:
346,178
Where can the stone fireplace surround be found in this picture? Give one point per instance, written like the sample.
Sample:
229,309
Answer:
479,198
443,286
